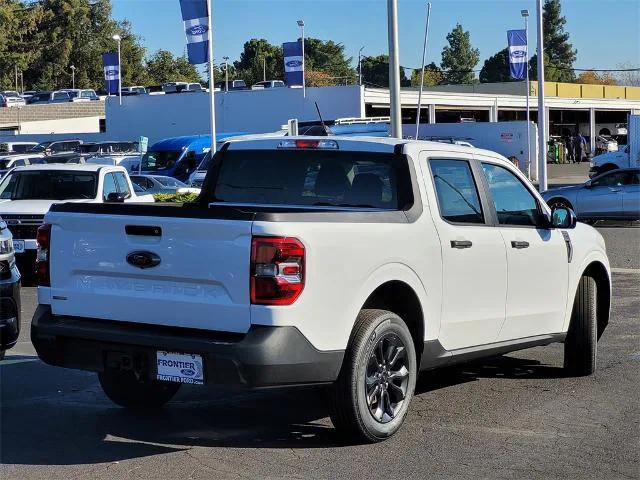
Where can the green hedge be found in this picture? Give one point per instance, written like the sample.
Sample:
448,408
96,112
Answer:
175,197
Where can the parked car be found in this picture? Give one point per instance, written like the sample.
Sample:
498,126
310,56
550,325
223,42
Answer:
9,98
604,143
191,87
233,85
614,195
81,95
401,256
57,146
128,91
15,147
49,97
173,87
11,161
28,94
9,292
160,184
87,149
268,84
26,193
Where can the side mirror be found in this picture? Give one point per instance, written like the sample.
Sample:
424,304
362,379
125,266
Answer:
563,217
588,184
116,197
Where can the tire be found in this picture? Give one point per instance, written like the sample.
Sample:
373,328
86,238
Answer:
124,389
377,334
581,344
559,202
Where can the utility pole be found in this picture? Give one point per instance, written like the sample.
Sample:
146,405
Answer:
304,66
226,73
542,121
394,70
264,69
360,66
16,72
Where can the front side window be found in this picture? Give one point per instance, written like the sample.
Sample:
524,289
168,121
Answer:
457,192
612,179
153,161
109,186
515,204
123,185
48,185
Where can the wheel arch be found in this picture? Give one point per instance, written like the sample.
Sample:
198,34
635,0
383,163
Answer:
600,274
400,298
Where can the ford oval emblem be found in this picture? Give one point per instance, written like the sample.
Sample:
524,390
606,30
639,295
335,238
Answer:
197,30
187,372
294,63
143,259
519,53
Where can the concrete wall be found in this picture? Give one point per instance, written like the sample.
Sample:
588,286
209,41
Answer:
62,126
251,111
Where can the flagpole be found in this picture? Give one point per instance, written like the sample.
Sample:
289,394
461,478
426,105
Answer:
542,120
424,54
525,14
211,80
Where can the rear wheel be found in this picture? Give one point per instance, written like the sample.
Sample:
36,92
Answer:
581,344
370,399
124,388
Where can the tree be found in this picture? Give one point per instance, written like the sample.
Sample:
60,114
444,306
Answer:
318,79
591,77
328,57
162,67
459,58
559,53
432,76
630,77
375,72
496,68
256,55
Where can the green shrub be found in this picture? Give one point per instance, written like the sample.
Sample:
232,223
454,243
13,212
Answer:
175,197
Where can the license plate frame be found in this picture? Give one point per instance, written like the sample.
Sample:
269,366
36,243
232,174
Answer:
177,367
18,246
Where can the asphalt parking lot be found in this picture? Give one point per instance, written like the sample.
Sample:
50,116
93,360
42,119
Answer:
505,417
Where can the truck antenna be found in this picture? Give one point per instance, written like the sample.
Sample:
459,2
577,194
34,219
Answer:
324,127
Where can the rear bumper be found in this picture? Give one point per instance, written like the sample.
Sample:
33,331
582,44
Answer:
264,357
10,310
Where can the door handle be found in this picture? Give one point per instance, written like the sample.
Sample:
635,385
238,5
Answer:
461,244
519,244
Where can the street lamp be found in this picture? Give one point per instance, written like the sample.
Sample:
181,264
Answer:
525,15
118,39
360,66
73,77
304,82
226,73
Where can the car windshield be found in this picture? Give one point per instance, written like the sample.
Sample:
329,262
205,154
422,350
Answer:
206,162
89,148
10,94
41,147
152,161
314,178
170,182
49,185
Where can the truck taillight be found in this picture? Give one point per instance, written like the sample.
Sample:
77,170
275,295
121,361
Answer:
277,270
42,256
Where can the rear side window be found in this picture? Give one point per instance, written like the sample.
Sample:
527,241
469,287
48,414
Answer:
314,178
109,186
123,185
457,192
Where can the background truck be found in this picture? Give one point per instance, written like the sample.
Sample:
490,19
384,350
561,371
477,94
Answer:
627,156
349,263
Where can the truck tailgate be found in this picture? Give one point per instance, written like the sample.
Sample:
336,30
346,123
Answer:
201,280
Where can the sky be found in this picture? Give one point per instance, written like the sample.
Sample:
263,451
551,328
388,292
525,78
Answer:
606,33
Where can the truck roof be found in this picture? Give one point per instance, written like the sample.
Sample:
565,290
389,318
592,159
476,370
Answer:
177,143
85,167
364,143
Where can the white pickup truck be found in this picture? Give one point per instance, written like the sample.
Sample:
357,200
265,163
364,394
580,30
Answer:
355,263
26,193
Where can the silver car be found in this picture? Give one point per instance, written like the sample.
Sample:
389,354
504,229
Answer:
614,195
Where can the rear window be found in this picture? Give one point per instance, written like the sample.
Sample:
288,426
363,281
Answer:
52,185
314,178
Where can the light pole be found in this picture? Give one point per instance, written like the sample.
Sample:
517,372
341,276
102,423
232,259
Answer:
118,39
394,69
360,66
542,121
22,82
226,73
304,82
525,15
73,77
264,69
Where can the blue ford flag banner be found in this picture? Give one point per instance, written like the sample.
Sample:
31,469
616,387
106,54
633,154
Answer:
111,72
196,27
518,55
293,63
